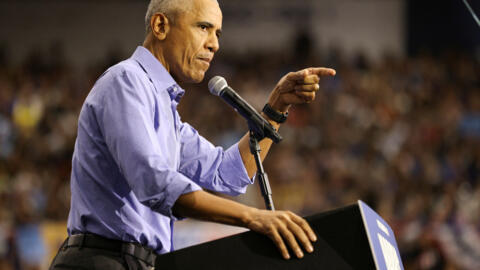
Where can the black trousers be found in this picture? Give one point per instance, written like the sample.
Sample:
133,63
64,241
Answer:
90,257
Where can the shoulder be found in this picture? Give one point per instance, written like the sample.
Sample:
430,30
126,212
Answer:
127,70
126,76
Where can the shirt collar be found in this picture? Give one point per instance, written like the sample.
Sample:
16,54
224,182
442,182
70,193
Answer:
157,73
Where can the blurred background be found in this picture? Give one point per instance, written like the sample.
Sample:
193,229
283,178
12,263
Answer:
398,127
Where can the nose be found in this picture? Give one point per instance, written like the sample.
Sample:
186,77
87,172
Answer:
212,43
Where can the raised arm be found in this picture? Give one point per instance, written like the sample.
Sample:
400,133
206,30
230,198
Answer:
294,88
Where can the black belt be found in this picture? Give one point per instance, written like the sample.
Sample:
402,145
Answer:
94,241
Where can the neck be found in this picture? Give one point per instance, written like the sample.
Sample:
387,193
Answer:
156,50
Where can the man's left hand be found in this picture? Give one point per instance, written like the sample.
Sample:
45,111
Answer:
297,88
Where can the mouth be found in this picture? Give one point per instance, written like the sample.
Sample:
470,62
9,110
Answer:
205,59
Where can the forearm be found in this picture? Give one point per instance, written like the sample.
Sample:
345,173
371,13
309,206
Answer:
205,206
283,227
244,148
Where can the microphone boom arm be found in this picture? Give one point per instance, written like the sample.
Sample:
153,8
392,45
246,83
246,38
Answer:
258,131
262,176
260,127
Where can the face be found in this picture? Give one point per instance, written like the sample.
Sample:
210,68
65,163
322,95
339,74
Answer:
192,41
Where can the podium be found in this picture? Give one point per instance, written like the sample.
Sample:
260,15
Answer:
352,237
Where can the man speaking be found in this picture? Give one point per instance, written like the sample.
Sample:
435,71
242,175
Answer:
137,167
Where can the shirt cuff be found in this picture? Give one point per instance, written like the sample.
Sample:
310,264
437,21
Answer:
233,171
180,186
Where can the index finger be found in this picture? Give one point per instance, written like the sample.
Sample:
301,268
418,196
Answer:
320,71
301,74
305,226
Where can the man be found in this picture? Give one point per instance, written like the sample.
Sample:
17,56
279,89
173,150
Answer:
137,168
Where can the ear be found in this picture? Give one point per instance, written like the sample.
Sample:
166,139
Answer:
160,25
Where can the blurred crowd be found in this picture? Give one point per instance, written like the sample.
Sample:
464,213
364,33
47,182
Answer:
401,134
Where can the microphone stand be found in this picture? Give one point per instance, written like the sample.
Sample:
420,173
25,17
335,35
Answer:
262,177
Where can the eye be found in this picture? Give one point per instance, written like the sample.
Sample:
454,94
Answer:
203,27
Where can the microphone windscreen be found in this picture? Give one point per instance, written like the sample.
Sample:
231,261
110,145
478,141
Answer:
216,85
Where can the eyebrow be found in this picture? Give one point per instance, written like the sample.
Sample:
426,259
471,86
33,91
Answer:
210,25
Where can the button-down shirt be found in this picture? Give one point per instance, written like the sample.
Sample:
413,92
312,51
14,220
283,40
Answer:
134,157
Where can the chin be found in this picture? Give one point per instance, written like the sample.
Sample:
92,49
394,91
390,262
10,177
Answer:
196,78
191,76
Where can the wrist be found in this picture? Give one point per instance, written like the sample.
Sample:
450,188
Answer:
275,101
280,108
246,216
274,115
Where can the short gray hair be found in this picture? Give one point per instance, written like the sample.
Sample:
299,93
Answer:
169,8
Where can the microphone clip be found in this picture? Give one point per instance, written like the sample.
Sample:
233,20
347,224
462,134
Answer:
260,132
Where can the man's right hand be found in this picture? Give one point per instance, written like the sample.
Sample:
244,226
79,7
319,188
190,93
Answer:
283,227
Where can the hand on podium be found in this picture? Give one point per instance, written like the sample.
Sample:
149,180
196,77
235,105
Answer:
283,227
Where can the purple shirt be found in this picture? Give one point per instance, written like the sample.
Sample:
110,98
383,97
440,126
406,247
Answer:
134,157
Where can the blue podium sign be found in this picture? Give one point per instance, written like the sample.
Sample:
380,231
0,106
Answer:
381,239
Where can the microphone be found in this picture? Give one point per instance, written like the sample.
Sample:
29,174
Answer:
258,125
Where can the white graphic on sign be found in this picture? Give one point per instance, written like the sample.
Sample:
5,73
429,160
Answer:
382,227
389,254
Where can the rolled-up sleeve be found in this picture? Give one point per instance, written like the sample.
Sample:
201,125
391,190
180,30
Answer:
212,167
127,119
